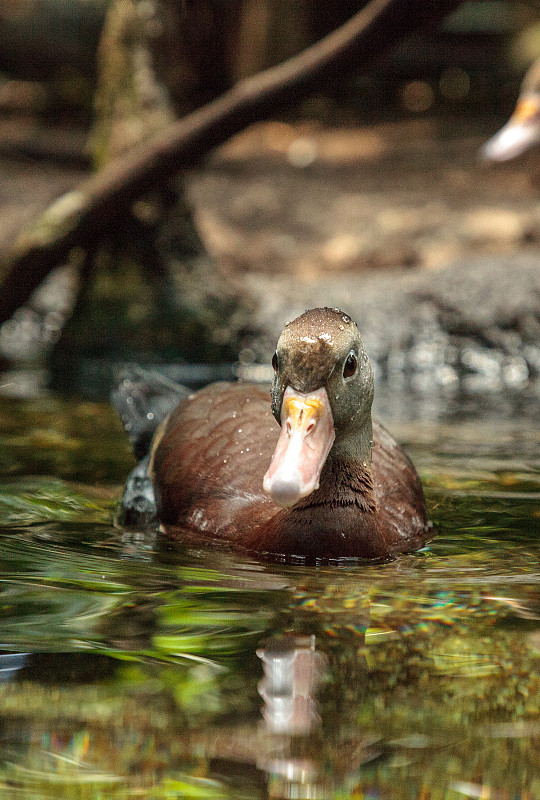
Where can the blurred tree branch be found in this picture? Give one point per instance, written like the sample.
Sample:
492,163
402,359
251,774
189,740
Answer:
96,207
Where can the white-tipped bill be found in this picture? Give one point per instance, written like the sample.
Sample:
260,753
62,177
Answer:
306,438
521,132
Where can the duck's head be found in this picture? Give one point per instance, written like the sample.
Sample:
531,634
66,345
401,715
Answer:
321,397
522,131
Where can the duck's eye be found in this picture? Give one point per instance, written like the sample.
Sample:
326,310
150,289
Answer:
275,362
349,368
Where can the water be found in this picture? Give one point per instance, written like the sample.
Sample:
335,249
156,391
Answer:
129,669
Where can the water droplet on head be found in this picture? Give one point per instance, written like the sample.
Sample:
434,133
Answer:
341,327
239,430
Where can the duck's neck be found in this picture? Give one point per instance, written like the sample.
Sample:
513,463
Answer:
355,446
347,473
343,509
346,478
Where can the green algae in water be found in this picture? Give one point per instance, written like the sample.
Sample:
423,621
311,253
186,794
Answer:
150,672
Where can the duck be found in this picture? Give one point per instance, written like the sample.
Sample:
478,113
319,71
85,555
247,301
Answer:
302,472
522,131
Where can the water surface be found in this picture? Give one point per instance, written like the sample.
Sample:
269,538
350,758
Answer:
132,669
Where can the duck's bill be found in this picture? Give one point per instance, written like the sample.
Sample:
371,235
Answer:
306,438
521,132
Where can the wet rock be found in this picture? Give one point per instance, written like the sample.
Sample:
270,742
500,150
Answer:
477,321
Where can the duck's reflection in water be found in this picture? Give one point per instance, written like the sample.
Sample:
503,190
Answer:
306,691
293,671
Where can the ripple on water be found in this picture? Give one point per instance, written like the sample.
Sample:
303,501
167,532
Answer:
168,671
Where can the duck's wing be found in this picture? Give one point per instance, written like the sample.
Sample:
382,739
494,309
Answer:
143,399
209,462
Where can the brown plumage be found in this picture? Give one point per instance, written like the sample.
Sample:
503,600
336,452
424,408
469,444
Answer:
210,456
